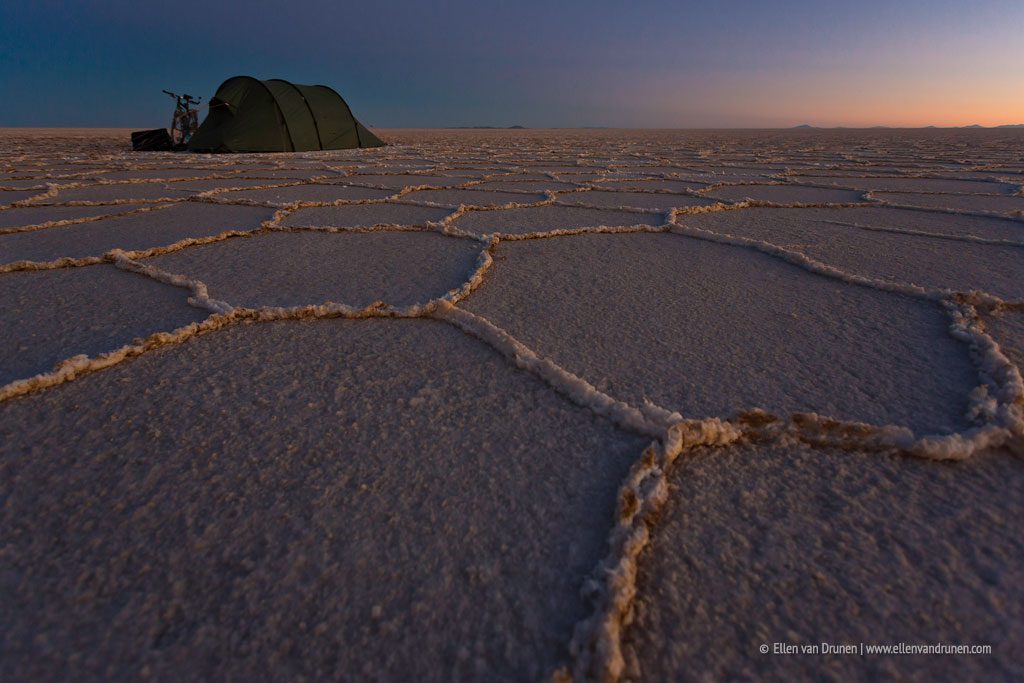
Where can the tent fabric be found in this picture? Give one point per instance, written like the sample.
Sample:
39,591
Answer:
250,115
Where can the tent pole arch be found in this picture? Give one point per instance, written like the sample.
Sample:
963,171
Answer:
277,106
280,114
349,110
316,126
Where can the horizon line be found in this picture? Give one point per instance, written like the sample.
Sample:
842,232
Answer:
972,126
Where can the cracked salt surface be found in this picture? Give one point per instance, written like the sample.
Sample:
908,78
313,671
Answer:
549,218
937,185
164,173
282,175
101,194
474,197
12,219
388,500
204,186
306,193
1007,327
1007,206
139,231
274,269
45,315
11,196
21,184
815,546
785,194
833,236
527,185
366,215
709,329
649,184
399,181
927,223
636,200
263,481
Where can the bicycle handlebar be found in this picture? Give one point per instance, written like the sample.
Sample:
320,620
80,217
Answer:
186,98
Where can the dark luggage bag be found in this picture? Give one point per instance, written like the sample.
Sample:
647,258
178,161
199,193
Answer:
156,140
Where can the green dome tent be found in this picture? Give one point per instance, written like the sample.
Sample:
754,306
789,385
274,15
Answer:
249,115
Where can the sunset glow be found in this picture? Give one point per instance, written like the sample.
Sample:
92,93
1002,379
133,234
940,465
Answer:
663,64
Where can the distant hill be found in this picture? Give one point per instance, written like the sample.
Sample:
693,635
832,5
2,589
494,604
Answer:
804,125
1011,125
487,128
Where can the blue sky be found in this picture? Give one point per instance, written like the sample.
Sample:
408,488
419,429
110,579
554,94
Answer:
596,63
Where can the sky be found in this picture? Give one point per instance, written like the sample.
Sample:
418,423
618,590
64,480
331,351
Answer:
569,63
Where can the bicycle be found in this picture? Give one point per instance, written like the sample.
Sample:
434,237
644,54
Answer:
186,118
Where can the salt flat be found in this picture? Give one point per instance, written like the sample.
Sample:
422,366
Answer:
512,405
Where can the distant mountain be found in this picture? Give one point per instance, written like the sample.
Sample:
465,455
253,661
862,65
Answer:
1011,125
487,127
804,125
974,125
